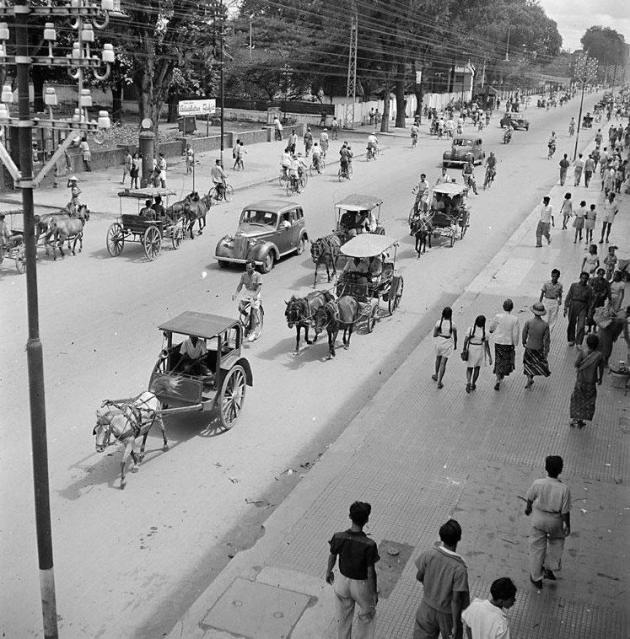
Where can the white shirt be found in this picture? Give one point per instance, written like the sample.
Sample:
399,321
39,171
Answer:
505,329
545,213
193,351
486,621
372,140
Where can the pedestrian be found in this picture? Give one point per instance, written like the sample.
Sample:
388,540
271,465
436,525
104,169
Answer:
564,167
334,128
576,305
589,168
486,618
444,576
308,140
506,333
608,217
241,151
608,181
356,582
566,210
323,142
545,221
475,352
578,222
590,263
445,341
134,173
589,223
234,154
551,297
292,144
127,162
161,165
190,159
601,294
371,116
86,154
617,291
578,168
277,126
549,503
536,342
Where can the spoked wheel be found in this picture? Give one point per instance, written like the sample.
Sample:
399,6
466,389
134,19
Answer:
152,242
372,317
115,239
257,331
232,396
395,294
228,193
161,367
177,235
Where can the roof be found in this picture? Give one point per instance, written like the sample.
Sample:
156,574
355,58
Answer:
367,245
449,188
199,324
145,194
356,202
273,206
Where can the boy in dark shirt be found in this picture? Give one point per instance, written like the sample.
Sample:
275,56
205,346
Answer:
356,582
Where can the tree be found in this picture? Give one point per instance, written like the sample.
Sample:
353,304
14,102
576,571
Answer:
606,45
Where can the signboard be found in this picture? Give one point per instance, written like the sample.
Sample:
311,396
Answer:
196,107
418,77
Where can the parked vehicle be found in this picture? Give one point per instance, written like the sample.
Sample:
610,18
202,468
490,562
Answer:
267,231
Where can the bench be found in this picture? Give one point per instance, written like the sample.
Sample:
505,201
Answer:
137,225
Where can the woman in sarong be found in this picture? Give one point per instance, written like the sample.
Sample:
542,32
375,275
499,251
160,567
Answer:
536,342
585,391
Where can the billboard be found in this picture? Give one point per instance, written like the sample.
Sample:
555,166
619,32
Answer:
196,107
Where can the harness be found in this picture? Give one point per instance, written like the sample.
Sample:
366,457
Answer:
136,412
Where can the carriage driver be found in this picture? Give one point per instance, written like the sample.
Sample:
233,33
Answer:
251,280
192,351
147,211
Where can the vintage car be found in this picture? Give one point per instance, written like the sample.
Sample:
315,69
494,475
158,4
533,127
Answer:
518,123
267,231
464,146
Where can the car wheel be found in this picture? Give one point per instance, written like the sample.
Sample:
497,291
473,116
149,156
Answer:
268,262
299,249
223,264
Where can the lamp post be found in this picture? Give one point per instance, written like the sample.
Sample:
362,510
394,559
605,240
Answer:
83,12
585,72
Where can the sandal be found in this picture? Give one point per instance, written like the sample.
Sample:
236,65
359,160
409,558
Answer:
468,388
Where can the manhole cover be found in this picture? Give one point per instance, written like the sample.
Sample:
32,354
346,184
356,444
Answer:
259,611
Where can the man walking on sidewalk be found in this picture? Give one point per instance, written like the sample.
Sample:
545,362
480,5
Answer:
486,619
551,297
356,581
578,167
589,168
564,167
576,305
506,333
545,221
549,500
444,575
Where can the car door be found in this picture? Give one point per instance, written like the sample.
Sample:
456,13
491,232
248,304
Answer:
297,222
283,235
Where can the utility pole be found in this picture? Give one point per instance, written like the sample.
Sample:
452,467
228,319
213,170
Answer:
585,72
86,15
351,83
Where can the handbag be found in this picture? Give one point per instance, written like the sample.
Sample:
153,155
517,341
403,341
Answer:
464,354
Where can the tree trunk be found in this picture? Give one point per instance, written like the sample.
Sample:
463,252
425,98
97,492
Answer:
117,93
400,95
38,76
172,108
386,103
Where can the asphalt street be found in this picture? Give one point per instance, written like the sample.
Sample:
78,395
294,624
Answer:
130,563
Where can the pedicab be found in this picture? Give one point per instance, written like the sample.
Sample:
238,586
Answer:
139,230
449,215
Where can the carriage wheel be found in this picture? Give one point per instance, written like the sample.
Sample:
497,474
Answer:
464,228
371,320
161,367
115,239
395,293
177,235
152,242
232,396
228,193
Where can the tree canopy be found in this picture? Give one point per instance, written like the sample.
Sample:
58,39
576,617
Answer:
605,44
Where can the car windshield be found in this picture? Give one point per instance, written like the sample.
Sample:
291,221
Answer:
462,142
265,218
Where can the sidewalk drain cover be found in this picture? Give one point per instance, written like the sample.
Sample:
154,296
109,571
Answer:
256,611
394,558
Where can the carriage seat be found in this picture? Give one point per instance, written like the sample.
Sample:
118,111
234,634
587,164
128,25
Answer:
442,220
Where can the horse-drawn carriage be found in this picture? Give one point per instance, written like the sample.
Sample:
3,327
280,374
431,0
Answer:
358,214
448,215
140,230
369,277
12,242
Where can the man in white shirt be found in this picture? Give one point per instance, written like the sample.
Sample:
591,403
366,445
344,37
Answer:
192,351
505,330
444,177
485,618
545,221
217,174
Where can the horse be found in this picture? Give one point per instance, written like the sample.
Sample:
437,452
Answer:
325,250
343,313
422,230
64,228
192,208
126,421
300,312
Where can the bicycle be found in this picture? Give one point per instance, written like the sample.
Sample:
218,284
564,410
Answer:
489,179
344,173
370,153
321,165
414,141
296,184
227,195
251,321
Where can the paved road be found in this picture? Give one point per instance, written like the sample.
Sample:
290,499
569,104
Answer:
129,563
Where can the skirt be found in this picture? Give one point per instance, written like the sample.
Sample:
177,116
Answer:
535,363
589,224
443,346
578,223
583,401
476,355
503,359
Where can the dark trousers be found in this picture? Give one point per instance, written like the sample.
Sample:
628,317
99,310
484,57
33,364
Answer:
577,322
606,229
587,177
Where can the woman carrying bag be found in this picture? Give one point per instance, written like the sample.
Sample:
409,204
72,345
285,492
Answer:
475,352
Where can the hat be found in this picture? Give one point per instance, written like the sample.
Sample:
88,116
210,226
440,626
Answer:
538,309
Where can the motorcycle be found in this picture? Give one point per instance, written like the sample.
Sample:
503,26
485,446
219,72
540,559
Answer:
507,136
251,321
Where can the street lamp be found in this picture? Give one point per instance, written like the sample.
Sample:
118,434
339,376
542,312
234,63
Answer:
84,12
585,72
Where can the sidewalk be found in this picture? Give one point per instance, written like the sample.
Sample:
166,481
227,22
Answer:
420,455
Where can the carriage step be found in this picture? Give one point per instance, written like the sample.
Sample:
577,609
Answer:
181,409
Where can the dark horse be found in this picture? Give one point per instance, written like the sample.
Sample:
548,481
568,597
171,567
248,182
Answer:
325,250
192,208
421,229
334,315
300,312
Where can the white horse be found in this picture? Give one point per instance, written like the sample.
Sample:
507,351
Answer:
124,422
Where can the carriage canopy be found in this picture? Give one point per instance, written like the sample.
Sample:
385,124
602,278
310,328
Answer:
147,193
449,188
367,245
357,202
202,325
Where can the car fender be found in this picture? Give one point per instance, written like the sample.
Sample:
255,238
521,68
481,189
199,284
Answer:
258,251
221,250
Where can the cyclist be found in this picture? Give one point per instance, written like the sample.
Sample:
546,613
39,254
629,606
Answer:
414,134
372,145
491,171
468,175
316,157
285,162
551,145
251,281
449,127
572,126
218,179
345,159
323,142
